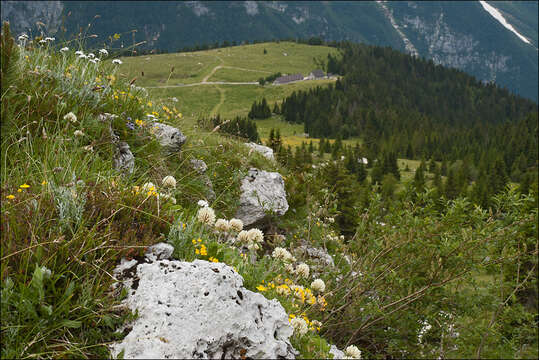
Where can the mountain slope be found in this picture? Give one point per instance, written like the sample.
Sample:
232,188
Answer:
456,34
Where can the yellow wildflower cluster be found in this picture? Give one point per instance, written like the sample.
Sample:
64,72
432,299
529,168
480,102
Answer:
321,301
262,286
140,122
152,192
212,259
200,249
305,295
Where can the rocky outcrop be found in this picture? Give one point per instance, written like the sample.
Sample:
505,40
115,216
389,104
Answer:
262,193
198,310
169,137
267,152
23,15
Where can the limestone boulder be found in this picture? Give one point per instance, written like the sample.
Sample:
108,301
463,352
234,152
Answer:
169,137
262,193
198,310
267,152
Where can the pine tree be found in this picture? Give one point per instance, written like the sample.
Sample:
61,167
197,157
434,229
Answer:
450,189
419,179
321,147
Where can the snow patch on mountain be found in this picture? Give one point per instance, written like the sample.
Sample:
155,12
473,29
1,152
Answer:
498,16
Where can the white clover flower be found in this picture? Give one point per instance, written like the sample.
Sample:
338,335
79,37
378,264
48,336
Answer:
42,41
91,55
318,285
243,237
253,246
255,235
282,254
93,61
78,52
103,52
206,215
303,270
169,181
289,268
222,225
71,117
352,352
50,39
299,325
202,203
23,37
89,148
236,225
78,133
149,186
64,49
117,61
82,56
96,60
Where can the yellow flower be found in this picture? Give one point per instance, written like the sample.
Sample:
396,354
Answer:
194,241
184,226
149,103
116,36
43,182
24,186
197,251
199,240
212,259
261,288
10,197
19,190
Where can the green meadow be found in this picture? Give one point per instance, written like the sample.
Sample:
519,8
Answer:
165,75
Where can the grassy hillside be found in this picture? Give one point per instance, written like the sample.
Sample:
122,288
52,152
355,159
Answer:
411,269
164,75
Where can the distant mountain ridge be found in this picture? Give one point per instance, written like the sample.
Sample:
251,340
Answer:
455,34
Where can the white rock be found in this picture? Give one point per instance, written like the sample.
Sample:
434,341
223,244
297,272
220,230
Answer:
337,354
169,137
201,310
267,152
160,251
261,192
